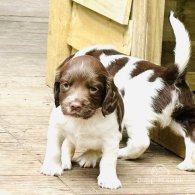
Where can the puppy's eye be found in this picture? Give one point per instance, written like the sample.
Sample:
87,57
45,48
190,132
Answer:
93,89
66,85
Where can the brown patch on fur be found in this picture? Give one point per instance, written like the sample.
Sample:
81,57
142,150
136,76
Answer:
168,74
115,66
111,99
143,66
96,53
120,112
185,95
163,98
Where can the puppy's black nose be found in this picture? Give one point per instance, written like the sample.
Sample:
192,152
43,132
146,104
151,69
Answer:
75,106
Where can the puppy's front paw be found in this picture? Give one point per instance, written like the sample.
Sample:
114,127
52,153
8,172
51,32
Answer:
66,164
51,168
186,166
109,182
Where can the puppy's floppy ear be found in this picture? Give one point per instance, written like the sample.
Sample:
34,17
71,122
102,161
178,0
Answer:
111,98
57,81
57,89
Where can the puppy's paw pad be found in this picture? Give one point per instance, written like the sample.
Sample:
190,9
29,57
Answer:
186,166
109,182
51,169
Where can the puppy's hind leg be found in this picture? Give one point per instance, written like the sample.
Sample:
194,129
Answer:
189,162
137,143
89,159
185,118
68,150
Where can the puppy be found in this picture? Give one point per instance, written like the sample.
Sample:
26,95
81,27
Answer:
88,115
153,94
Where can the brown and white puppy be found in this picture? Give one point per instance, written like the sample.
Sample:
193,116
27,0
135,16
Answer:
88,115
153,94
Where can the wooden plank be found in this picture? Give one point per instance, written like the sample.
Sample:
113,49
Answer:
147,17
167,30
154,33
18,82
22,64
20,168
37,45
112,9
168,139
38,8
38,27
14,18
139,17
189,17
14,120
26,37
33,185
104,31
28,100
57,50
191,80
30,110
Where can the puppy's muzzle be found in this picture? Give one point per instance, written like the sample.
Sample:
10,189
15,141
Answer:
78,108
75,106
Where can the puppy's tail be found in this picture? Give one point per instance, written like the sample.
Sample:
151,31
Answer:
183,45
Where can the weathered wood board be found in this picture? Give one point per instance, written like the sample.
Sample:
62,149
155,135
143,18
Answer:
94,28
113,9
57,49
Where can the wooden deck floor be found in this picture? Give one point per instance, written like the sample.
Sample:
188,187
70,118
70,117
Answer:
25,105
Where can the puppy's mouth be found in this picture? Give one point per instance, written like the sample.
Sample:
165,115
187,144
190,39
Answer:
84,113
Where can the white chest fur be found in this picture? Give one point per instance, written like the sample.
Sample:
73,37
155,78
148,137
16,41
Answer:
89,133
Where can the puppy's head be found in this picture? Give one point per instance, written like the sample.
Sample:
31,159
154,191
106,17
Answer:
186,117
82,85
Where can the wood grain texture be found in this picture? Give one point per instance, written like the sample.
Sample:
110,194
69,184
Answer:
155,19
139,17
147,19
57,50
24,8
168,139
96,29
191,80
113,9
